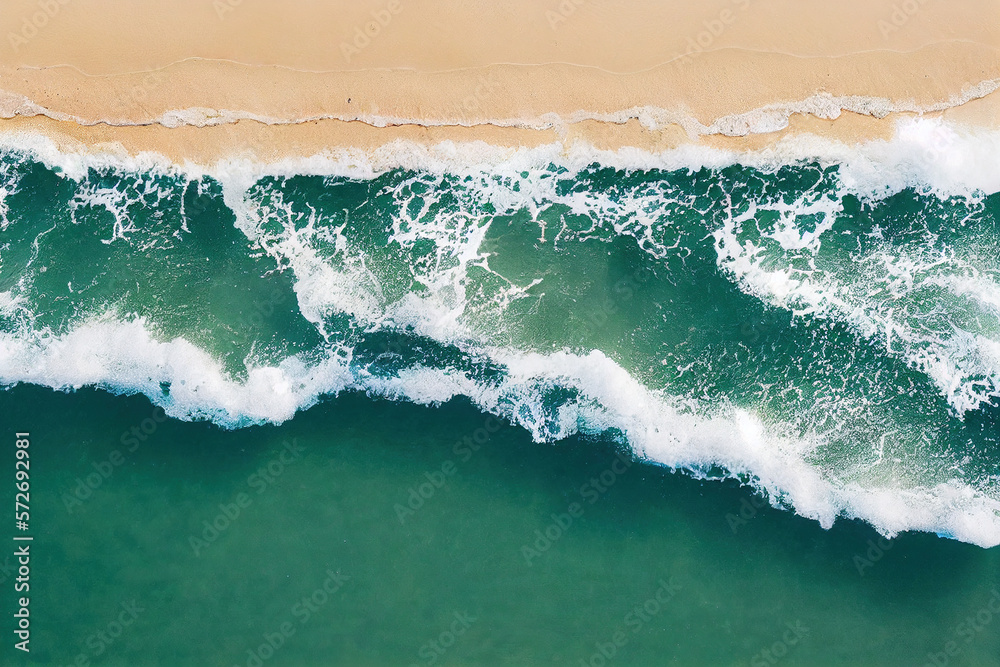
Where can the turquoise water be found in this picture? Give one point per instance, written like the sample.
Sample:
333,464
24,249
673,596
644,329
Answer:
540,414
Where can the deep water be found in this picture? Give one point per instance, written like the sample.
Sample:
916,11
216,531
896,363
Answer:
741,574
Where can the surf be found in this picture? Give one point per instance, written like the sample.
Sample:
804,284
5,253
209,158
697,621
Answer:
815,320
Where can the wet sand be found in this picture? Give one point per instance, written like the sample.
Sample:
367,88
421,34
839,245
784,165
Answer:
269,80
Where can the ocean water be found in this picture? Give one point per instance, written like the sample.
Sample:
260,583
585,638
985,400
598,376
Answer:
555,406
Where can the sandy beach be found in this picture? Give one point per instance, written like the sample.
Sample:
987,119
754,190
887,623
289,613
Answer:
235,77
548,333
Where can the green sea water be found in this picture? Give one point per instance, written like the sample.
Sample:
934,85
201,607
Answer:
519,413
739,584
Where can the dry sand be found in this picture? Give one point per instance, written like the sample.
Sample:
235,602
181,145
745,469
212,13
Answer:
205,79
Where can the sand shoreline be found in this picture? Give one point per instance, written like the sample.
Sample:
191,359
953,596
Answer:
257,141
207,83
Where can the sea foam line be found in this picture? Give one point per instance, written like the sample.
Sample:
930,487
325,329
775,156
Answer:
768,118
660,430
924,153
125,357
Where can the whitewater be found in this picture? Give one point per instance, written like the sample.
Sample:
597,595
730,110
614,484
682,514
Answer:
816,320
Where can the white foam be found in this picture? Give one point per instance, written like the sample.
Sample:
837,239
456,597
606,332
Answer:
933,307
925,153
964,365
128,357
769,118
11,303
